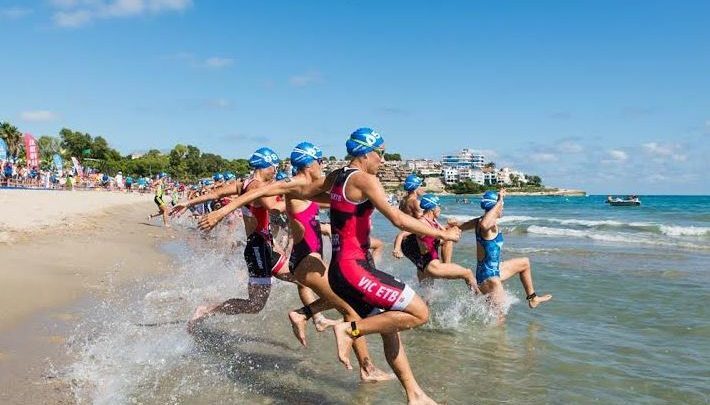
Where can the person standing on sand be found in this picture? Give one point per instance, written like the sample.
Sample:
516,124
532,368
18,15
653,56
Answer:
490,271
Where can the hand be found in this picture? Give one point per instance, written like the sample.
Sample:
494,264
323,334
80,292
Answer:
502,193
178,210
452,234
397,254
452,222
209,221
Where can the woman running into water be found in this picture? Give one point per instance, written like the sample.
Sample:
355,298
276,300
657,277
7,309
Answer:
425,254
490,271
306,260
355,192
405,244
159,200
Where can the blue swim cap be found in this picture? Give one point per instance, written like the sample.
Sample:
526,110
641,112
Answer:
280,175
207,182
489,200
229,176
429,202
264,158
304,154
293,171
218,176
362,141
412,182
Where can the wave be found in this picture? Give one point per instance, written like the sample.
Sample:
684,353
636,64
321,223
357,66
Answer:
649,227
621,237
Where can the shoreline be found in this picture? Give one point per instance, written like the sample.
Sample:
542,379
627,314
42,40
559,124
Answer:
54,272
548,192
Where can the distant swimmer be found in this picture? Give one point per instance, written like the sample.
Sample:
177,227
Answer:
306,260
490,271
159,200
423,251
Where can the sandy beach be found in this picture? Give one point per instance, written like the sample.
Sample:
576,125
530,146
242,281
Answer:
58,250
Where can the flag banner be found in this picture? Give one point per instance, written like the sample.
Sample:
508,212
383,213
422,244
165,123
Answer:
3,150
57,160
31,151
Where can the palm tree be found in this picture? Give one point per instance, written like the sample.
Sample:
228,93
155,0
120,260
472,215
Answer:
12,137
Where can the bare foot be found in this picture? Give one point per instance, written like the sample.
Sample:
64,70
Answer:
322,323
344,343
533,303
420,399
375,375
201,313
298,325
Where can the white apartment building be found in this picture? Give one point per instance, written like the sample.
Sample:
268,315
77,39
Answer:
450,175
465,158
505,173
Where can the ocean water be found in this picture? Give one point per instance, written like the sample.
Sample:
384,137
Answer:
628,322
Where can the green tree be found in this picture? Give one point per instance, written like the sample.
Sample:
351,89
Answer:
74,143
178,164
394,157
332,158
48,146
12,137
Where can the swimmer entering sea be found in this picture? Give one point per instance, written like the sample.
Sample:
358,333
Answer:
490,271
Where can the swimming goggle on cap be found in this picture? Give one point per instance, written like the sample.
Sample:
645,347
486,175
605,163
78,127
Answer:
412,182
304,154
489,200
429,202
362,141
264,158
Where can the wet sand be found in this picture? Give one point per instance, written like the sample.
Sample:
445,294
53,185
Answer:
56,265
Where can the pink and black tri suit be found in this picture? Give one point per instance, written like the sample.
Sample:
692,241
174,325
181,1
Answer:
312,241
352,274
421,250
262,261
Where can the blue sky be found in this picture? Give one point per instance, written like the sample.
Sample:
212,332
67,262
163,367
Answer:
605,96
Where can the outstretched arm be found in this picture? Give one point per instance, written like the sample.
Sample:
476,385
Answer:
371,189
490,219
223,191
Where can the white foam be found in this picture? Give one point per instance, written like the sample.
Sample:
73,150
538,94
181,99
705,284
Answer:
671,230
622,237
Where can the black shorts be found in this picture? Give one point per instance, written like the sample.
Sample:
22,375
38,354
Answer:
366,289
262,261
410,249
158,201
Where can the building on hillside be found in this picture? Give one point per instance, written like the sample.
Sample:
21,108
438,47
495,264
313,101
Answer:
465,158
506,174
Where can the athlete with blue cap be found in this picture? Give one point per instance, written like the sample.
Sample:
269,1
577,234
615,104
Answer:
490,271
306,260
425,252
355,192
263,260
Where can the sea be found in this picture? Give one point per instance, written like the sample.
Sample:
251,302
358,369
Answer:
628,322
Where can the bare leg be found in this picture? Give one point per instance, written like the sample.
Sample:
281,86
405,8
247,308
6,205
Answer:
521,266
258,295
377,247
397,359
447,251
493,288
437,269
414,315
313,273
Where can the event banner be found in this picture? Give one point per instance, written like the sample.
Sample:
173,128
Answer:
77,166
31,151
3,150
57,160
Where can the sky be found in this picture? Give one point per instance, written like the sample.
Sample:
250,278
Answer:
606,96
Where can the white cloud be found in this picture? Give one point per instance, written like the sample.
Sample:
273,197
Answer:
38,116
14,13
490,154
216,62
618,155
543,157
570,147
305,79
664,151
77,13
